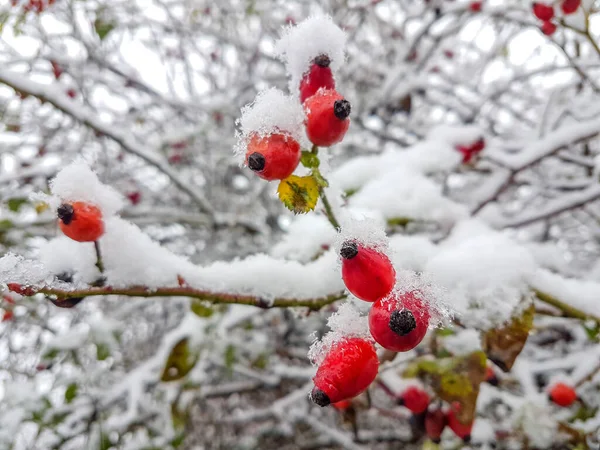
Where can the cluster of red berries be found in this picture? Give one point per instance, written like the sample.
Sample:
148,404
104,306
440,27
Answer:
545,13
397,322
276,156
471,151
37,6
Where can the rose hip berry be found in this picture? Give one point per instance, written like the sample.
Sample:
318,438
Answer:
399,322
469,152
542,11
415,399
435,422
273,157
548,28
80,221
563,395
367,273
570,6
347,370
460,429
327,119
318,76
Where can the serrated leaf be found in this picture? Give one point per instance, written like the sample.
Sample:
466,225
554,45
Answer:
14,204
180,361
299,194
71,392
102,351
200,309
309,159
103,28
502,345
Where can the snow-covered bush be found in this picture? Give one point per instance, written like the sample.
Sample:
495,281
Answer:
436,278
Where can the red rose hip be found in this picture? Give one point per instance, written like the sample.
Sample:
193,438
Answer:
327,119
318,76
435,422
414,399
347,370
399,322
461,430
570,6
80,221
563,395
273,157
367,273
542,11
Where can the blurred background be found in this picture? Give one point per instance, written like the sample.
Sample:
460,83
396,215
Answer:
149,92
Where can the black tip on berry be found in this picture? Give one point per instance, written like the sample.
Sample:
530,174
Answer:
494,381
467,439
436,440
319,397
402,322
256,162
349,250
501,364
341,109
322,60
65,213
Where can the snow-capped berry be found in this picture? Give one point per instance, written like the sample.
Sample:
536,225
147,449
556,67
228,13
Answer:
460,429
415,399
542,11
327,119
570,6
273,157
475,6
471,151
347,370
435,422
490,376
80,221
563,395
548,28
367,273
318,76
399,322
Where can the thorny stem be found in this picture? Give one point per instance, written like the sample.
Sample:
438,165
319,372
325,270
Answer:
328,209
186,291
99,263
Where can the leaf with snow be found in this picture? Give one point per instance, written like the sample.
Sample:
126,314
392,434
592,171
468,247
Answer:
299,194
180,362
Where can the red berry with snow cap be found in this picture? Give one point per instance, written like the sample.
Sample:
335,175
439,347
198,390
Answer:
471,151
542,11
327,117
563,395
548,28
435,422
461,430
367,273
399,322
318,76
475,6
80,221
570,6
415,399
347,370
273,157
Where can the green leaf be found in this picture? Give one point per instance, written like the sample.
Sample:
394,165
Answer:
592,330
102,351
71,392
399,221
51,354
103,28
14,204
445,332
180,361
230,356
299,194
199,308
5,225
175,443
105,443
310,159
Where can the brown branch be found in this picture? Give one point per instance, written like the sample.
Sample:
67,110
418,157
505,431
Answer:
186,291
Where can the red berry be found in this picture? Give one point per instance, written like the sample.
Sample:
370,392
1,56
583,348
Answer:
326,117
273,157
318,76
134,197
490,376
449,54
460,429
399,322
71,93
542,11
175,158
367,273
563,395
435,422
570,6
347,370
342,405
8,315
548,28
80,221
20,289
475,6
415,399
180,145
56,69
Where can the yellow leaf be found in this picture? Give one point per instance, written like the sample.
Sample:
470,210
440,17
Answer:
180,361
299,194
40,207
503,345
